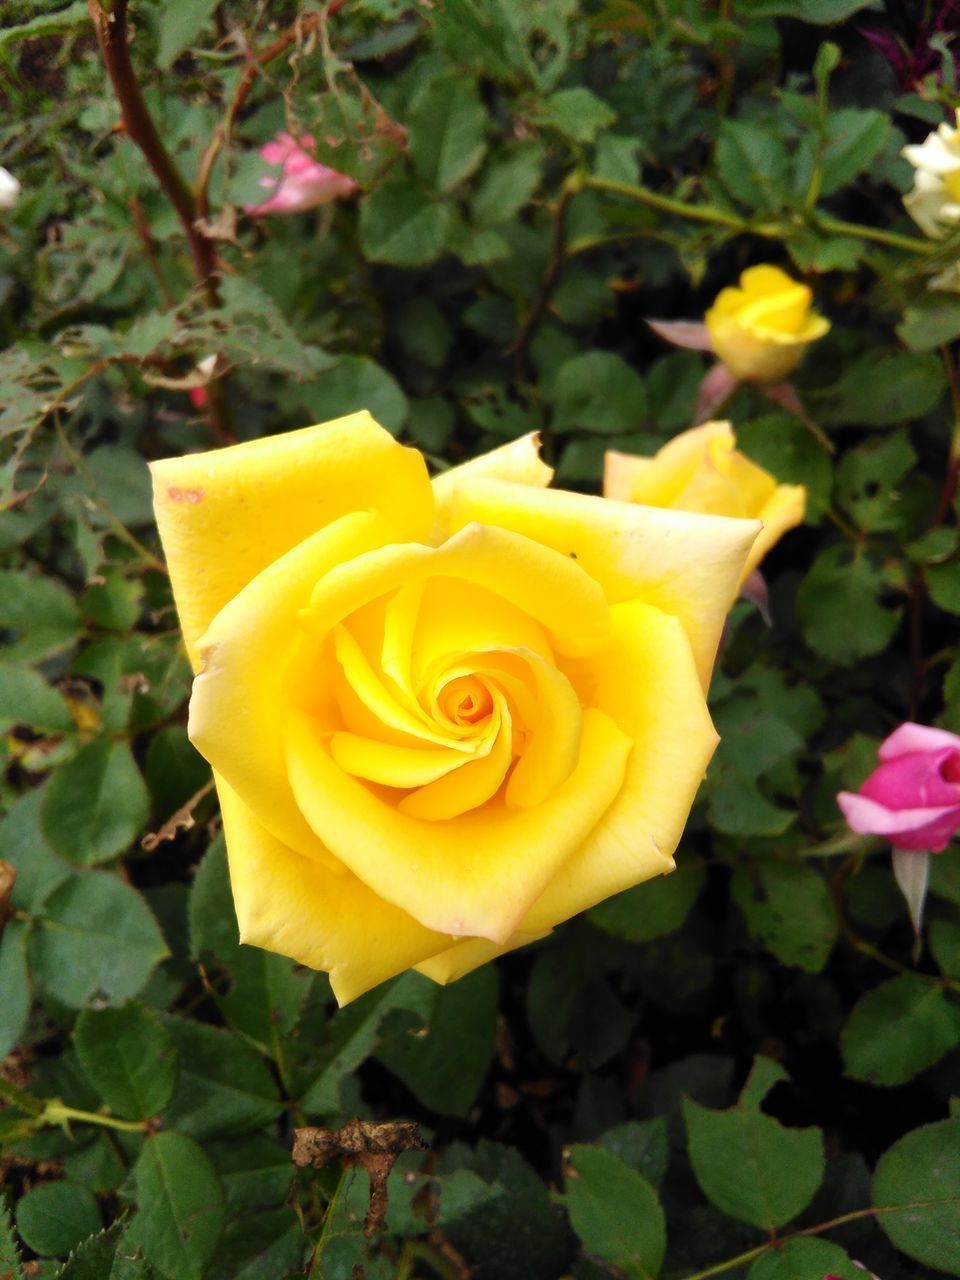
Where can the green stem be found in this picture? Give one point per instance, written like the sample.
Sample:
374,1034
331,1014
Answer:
327,1221
668,204
57,1112
22,1101
844,842
855,1215
836,226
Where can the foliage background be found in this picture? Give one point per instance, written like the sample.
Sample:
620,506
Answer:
738,1070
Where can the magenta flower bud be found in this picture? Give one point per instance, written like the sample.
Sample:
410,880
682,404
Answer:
913,798
302,183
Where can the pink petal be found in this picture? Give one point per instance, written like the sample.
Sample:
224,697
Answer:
915,829
916,737
683,333
921,779
754,589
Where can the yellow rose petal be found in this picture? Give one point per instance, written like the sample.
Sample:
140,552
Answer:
686,564
552,588
294,906
518,461
463,957
472,784
462,876
236,709
665,714
226,515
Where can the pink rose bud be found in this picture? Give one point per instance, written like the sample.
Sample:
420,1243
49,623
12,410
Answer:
913,798
302,183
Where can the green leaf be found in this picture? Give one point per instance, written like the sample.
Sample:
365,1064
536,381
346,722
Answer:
854,138
917,1185
15,985
27,699
180,1209
642,1144
113,603
839,610
260,1245
943,583
444,1057
256,1171
41,614
39,870
47,24
446,130
95,937
354,1032
747,1163
106,1256
55,1216
615,1212
599,392
128,1057
752,163
266,994
9,1253
507,184
788,907
813,11
576,113
881,390
356,382
175,770
223,1086
802,1259
652,909
897,1029
869,481
180,24
123,485
944,938
930,322
402,226
96,804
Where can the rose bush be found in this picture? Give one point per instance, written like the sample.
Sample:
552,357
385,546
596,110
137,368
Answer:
443,716
703,470
760,328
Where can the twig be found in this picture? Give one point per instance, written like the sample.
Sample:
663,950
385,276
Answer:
952,476
111,28
548,284
142,228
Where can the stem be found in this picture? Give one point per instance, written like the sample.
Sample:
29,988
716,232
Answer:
573,185
111,28
837,226
21,1100
855,1215
57,1112
327,1220
150,247
952,476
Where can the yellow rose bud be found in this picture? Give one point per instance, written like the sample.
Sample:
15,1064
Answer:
443,717
934,202
702,470
761,329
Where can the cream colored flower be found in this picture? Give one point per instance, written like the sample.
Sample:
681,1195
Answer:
761,328
934,202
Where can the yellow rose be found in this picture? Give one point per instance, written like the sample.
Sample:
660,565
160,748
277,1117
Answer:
702,470
761,329
443,717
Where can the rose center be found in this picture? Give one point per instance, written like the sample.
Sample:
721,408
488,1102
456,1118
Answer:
465,700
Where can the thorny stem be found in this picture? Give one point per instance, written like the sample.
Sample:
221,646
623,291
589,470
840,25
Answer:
57,1112
110,25
142,228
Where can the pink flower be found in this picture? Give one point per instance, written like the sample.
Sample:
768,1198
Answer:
913,798
302,183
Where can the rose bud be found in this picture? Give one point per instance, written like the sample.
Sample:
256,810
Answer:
761,328
913,800
303,183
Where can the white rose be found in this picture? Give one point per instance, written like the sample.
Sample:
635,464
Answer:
934,202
